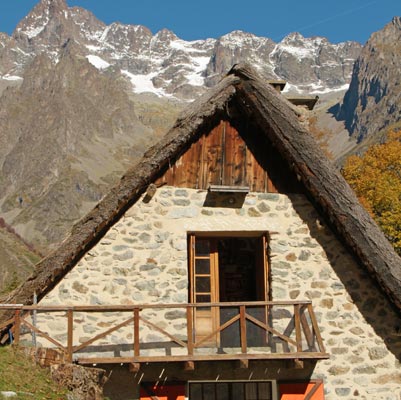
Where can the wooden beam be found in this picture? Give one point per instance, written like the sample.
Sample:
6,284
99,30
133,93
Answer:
70,339
243,364
136,333
299,364
298,334
316,328
243,329
150,192
203,357
315,388
189,366
17,326
134,367
190,332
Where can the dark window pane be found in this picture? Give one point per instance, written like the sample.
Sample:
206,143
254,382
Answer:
265,391
237,390
251,391
202,247
209,391
203,298
195,391
203,284
222,391
202,266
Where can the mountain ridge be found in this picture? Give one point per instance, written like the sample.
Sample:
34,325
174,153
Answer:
373,100
169,66
95,96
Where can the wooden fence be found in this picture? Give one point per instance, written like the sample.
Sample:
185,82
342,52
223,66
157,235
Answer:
244,331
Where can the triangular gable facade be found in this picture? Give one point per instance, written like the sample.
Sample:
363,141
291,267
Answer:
236,206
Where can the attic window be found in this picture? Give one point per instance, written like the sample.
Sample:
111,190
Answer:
228,189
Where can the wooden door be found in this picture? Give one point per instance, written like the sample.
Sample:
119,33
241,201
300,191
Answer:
204,288
227,269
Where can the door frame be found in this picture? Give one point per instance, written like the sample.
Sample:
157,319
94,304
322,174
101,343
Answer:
261,270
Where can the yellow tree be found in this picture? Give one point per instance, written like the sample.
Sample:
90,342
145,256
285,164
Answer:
376,179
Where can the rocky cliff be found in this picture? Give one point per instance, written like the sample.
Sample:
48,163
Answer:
373,100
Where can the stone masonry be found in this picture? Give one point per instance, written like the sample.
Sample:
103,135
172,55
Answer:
143,260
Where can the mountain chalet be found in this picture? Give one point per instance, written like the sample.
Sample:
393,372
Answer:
232,262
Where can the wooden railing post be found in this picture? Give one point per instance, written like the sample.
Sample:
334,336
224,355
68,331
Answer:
190,331
136,332
316,330
307,342
17,326
70,331
242,320
298,334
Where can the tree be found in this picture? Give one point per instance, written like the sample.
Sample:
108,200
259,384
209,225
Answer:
376,179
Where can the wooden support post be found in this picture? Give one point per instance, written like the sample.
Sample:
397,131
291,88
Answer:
243,329
298,334
190,332
316,329
136,332
17,326
134,367
299,364
243,364
70,339
189,366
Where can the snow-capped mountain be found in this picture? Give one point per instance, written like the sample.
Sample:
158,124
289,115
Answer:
167,65
74,114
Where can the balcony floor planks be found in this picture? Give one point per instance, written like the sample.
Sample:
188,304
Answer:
203,357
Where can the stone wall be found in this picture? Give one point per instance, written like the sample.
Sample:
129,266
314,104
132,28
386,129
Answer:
143,260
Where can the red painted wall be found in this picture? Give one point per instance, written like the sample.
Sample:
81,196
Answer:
166,392
299,391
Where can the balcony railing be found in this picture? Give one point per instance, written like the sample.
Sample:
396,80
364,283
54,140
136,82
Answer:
171,332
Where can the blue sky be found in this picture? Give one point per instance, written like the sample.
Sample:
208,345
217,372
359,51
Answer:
337,20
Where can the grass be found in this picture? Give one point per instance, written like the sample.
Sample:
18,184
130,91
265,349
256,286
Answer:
21,375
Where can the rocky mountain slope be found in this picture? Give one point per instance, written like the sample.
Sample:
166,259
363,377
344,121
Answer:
373,100
67,133
80,101
17,258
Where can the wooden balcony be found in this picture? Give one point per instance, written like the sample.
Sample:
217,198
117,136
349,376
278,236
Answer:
171,332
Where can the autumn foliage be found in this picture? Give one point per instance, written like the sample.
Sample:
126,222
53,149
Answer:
376,179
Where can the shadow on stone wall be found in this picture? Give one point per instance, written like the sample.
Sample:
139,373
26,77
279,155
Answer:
364,292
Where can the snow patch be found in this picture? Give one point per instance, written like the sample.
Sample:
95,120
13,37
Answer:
8,77
143,83
323,90
32,32
98,62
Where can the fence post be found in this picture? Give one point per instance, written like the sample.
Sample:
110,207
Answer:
243,329
190,331
70,339
17,326
136,332
298,327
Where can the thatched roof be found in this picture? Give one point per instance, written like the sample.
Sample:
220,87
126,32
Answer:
242,92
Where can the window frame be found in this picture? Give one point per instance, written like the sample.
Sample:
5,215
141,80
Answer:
273,386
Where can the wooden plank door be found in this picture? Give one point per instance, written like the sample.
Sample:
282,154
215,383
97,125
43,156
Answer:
204,288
